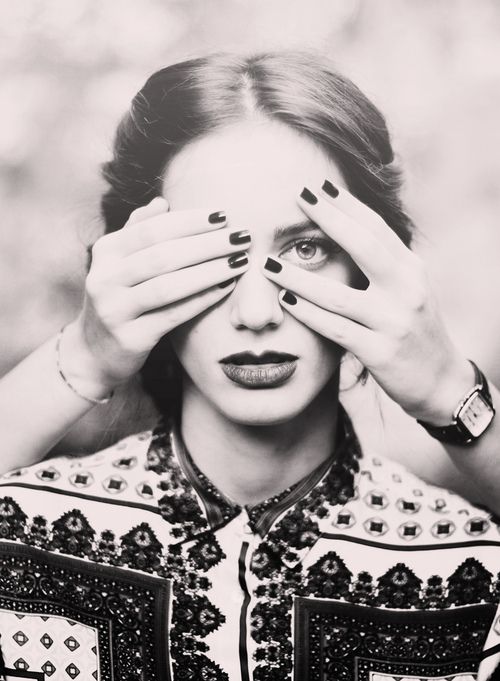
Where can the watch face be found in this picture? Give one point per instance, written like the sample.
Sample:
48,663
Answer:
476,414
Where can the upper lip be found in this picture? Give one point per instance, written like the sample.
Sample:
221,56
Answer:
266,357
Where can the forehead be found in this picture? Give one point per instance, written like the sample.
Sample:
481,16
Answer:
252,170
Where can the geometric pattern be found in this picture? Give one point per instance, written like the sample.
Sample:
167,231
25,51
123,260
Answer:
443,528
374,676
373,517
49,668
66,618
114,484
377,527
409,530
373,644
49,644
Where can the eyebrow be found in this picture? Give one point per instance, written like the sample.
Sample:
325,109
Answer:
295,229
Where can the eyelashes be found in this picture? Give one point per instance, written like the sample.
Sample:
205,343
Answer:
310,252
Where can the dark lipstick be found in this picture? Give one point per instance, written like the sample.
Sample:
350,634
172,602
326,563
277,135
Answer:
267,370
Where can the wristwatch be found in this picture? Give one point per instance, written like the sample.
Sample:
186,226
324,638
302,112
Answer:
471,418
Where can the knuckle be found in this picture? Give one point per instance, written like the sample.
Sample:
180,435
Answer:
163,260
417,296
112,310
386,354
101,246
401,330
107,313
132,272
129,343
92,285
337,304
137,214
174,318
96,249
345,301
140,238
158,291
340,333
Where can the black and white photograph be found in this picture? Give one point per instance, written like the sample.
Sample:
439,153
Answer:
250,340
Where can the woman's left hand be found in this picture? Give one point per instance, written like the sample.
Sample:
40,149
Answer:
394,326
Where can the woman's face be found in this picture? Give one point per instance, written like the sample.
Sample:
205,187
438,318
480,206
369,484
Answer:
254,171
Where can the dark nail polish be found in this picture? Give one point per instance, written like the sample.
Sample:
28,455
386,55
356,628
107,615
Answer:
225,284
289,298
273,266
216,218
237,260
308,196
242,237
330,189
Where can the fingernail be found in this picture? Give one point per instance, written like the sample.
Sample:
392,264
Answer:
242,237
216,218
226,283
237,260
273,266
289,298
308,196
330,189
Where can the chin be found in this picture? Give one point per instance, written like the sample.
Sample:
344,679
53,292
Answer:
259,408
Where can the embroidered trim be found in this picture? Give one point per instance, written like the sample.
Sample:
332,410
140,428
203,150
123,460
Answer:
193,615
35,581
329,578
346,642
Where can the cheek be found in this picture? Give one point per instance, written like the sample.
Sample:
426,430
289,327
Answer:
193,340
331,352
324,354
345,270
181,340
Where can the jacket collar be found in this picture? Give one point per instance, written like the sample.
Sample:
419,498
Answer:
289,522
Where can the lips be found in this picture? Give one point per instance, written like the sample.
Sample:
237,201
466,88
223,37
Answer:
267,370
267,357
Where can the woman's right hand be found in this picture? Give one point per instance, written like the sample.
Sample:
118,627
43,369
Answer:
162,269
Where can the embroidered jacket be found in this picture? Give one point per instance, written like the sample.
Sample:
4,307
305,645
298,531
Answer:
129,564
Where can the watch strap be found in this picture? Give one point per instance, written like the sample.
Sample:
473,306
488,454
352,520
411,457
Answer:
456,432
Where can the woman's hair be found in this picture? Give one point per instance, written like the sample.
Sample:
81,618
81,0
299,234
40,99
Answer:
186,101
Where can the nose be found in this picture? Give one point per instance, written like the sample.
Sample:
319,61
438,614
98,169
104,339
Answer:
254,302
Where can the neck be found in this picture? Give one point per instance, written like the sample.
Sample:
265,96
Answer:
251,463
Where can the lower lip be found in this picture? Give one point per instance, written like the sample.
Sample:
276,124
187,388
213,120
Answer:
260,375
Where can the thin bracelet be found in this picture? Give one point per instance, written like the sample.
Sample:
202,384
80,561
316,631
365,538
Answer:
92,400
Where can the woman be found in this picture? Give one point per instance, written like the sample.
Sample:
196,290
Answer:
255,232
34,387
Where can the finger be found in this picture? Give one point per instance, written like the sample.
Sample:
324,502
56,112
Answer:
367,251
176,254
154,207
342,199
155,324
162,227
342,331
169,288
327,293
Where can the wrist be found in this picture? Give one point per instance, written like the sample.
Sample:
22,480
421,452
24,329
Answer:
80,365
451,385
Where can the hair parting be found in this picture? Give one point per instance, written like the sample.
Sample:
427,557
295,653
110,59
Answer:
183,102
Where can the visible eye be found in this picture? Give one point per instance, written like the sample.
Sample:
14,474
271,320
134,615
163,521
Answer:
310,252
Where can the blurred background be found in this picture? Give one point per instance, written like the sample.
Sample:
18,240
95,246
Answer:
69,69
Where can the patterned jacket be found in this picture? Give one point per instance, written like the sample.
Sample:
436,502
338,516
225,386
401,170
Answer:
129,565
